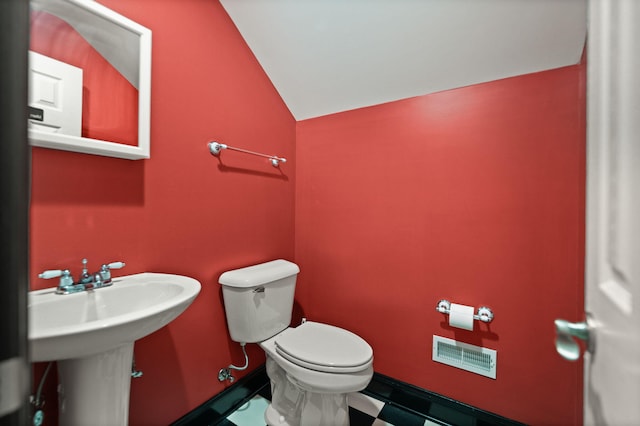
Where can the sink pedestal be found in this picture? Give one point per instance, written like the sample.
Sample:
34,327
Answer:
94,390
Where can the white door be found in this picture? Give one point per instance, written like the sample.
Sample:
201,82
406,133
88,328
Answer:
612,287
55,96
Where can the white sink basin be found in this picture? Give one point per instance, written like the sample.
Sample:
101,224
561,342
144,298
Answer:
91,336
90,322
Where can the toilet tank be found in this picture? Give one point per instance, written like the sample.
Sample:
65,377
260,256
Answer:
258,299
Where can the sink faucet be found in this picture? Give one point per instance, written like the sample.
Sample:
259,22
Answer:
86,281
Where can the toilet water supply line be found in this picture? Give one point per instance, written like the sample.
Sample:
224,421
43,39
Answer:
225,373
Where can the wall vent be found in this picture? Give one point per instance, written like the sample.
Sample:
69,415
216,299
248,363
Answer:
472,358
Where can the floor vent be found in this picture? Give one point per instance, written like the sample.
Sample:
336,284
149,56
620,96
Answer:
472,358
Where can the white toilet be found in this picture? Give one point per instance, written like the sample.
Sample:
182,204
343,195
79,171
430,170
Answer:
312,367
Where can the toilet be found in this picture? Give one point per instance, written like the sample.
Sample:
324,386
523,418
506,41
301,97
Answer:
312,367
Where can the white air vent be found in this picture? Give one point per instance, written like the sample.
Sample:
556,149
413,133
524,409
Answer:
467,357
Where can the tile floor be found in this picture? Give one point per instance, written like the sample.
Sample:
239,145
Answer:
364,411
385,402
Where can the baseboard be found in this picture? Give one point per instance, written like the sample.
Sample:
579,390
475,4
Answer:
430,405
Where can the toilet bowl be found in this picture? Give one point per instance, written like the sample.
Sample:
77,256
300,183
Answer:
312,367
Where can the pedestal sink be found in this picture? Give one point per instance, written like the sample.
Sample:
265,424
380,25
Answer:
91,334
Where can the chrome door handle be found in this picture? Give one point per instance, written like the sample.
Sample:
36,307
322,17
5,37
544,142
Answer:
566,345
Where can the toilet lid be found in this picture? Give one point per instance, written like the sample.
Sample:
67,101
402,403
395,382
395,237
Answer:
324,347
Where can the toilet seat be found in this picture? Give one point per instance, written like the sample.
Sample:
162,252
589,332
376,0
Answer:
324,347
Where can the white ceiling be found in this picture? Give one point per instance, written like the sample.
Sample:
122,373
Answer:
327,56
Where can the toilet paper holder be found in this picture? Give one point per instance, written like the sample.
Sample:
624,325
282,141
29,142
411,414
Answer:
483,313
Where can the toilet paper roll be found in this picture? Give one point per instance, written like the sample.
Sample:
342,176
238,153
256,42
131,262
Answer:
461,316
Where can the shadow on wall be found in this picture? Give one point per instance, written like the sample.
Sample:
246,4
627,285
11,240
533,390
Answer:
82,180
248,165
481,332
155,371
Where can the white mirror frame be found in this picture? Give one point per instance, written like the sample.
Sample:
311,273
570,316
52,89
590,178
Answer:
88,9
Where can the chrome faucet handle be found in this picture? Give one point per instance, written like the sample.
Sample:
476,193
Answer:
64,274
51,273
114,265
105,270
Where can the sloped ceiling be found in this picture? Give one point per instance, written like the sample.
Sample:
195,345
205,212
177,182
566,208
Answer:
327,56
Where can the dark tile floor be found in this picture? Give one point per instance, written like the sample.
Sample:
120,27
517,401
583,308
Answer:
385,402
364,410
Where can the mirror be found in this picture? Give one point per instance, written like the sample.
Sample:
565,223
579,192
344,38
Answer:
89,80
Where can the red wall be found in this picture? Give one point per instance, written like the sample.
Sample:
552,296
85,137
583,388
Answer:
475,195
183,211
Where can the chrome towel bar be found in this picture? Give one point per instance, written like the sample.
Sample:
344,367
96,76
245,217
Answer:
216,147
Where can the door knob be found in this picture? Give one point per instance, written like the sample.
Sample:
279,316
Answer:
566,345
